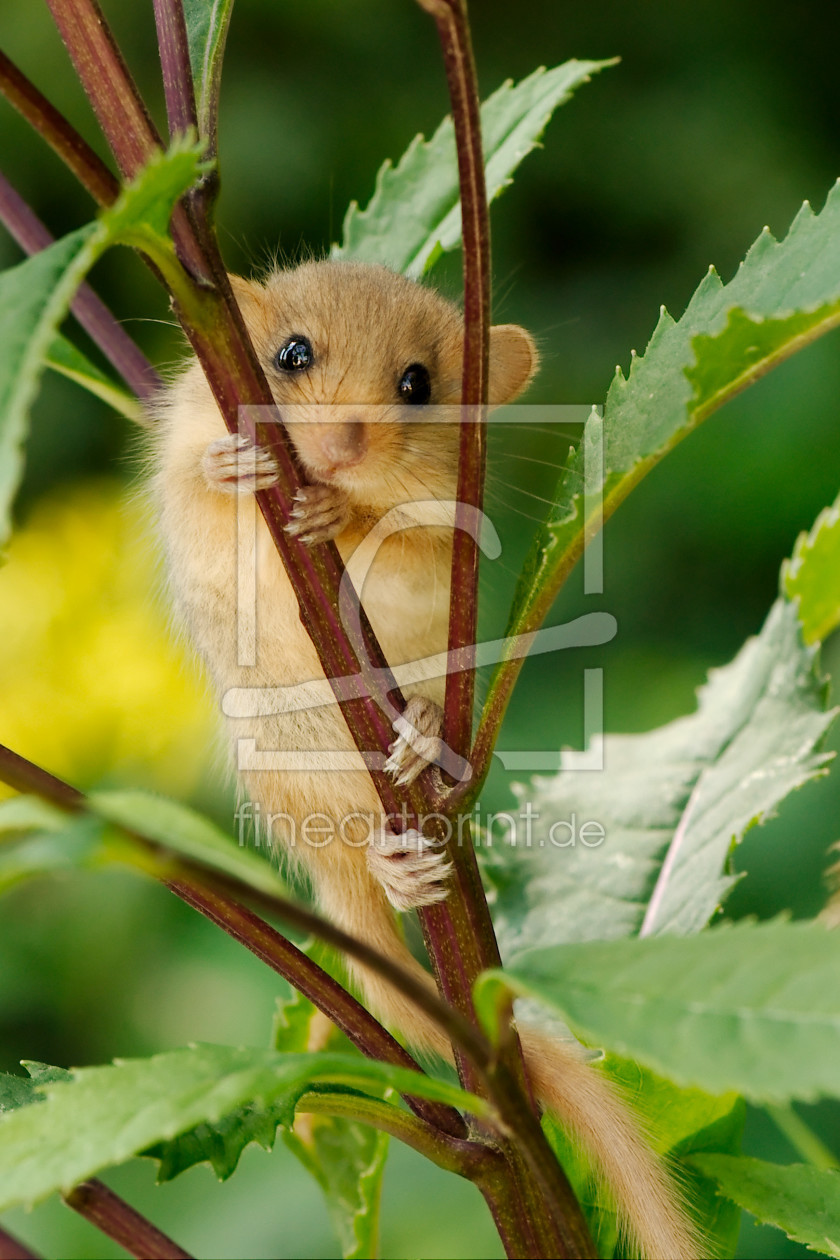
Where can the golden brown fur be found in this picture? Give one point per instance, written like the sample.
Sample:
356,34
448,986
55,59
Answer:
365,326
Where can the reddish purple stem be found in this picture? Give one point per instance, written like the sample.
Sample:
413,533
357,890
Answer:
11,1249
175,64
91,312
116,1218
85,164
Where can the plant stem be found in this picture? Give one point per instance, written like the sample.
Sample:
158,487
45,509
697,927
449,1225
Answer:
175,64
116,1218
92,313
453,30
207,891
468,1159
366,1033
216,330
123,117
213,322
11,1249
459,933
85,164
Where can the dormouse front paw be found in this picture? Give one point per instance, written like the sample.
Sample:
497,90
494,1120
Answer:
411,869
418,741
320,513
234,466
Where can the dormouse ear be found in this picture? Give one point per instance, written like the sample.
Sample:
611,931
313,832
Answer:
252,300
513,361
245,291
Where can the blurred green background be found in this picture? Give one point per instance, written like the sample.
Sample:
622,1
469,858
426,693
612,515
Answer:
720,119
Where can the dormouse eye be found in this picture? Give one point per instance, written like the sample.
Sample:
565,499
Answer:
295,355
415,385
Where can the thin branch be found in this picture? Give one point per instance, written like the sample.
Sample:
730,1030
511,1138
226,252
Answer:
459,933
119,108
467,1159
454,33
85,164
214,325
207,890
175,63
116,1218
205,305
267,944
24,776
210,893
91,312
123,117
11,1249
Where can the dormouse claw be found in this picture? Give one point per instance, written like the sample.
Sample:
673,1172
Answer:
411,869
234,466
418,741
321,513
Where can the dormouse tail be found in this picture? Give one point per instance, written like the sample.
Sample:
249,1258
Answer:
652,1218
581,1098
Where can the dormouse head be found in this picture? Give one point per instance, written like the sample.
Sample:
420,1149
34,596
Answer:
365,366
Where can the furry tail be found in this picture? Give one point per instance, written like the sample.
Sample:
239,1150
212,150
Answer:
581,1098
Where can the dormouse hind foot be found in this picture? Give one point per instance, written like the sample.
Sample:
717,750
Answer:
411,869
418,741
320,514
234,466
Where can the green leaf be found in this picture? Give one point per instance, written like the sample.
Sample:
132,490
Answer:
64,358
671,803
184,831
78,844
415,212
38,839
33,300
20,1091
35,295
220,1143
16,1091
31,813
812,575
752,1008
783,295
107,1114
679,1123
346,1158
207,28
802,1201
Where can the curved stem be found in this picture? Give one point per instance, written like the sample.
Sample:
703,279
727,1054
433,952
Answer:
11,1249
174,49
91,312
454,33
468,1159
209,893
85,164
116,1218
267,944
207,890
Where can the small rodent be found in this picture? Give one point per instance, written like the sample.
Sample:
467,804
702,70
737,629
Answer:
372,346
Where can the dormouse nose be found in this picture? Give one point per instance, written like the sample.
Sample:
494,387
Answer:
344,444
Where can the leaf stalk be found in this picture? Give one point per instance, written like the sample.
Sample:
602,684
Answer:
116,1218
